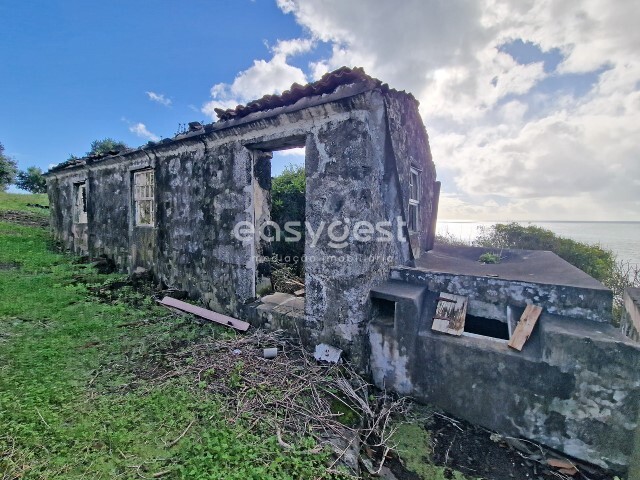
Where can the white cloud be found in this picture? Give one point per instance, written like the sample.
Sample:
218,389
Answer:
159,98
262,78
140,129
293,152
505,141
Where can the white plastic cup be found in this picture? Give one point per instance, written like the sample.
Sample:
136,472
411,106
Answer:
270,352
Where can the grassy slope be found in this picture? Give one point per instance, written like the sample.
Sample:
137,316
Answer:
71,403
17,201
65,413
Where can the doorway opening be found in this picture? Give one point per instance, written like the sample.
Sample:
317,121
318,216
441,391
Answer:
279,217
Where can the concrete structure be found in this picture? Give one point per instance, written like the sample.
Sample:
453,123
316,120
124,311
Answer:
574,387
172,207
630,321
175,207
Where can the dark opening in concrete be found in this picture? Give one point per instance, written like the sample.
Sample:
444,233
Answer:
487,327
384,311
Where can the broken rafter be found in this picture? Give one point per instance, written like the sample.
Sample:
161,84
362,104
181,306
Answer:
206,314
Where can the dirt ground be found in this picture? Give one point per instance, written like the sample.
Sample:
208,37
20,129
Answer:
24,218
480,453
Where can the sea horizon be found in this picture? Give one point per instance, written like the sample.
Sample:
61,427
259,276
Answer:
535,221
621,237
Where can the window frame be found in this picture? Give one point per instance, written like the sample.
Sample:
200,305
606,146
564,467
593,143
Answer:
80,203
143,192
413,208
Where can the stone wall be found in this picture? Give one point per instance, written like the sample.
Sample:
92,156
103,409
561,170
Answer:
360,144
489,297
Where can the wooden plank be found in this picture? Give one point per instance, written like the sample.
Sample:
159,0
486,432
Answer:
206,314
299,293
450,314
525,326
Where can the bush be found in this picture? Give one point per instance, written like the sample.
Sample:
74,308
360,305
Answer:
288,205
592,259
489,258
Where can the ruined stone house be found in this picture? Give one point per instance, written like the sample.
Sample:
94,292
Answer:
172,207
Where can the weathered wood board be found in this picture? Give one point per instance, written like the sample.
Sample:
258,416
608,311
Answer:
206,314
450,314
525,327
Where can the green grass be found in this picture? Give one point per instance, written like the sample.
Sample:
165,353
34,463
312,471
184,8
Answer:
75,402
73,406
413,444
18,201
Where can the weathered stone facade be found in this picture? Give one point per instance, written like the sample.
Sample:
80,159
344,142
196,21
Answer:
361,139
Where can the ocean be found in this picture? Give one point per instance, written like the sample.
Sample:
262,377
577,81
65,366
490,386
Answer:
623,238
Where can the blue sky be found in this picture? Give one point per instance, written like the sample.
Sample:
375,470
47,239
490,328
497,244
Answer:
76,71
532,106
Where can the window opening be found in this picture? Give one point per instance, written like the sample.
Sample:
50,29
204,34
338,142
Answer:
143,196
486,327
384,311
81,203
414,201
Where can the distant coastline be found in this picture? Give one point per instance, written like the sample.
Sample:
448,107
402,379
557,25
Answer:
621,237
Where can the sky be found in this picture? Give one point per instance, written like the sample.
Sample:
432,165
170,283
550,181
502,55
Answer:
532,106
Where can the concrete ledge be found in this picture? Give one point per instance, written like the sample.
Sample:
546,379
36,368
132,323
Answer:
408,299
280,311
489,297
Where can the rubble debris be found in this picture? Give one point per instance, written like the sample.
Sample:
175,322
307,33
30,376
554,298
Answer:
174,293
327,353
270,352
565,467
206,314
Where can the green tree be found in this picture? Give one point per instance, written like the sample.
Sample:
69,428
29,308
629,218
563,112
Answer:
106,145
288,205
99,147
32,180
8,169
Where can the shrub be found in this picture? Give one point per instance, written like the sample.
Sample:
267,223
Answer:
288,205
489,258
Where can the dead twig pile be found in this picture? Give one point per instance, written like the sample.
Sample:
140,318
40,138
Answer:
284,279
293,393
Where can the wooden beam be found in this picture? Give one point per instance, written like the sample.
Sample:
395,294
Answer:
450,314
206,314
525,327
